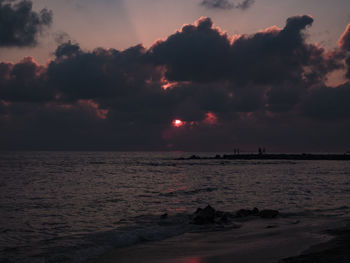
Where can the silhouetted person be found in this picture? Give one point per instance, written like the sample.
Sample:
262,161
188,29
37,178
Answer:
260,151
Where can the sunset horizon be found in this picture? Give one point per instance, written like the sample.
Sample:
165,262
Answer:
187,131
273,87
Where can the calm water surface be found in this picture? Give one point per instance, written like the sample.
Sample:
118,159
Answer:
69,206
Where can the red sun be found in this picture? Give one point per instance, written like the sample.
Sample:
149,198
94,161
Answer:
178,123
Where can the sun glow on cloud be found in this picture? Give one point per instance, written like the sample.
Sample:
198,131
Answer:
169,85
178,123
100,113
210,118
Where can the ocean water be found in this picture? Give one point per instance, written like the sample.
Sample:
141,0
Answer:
71,206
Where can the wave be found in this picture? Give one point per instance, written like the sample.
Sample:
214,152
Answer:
192,192
82,247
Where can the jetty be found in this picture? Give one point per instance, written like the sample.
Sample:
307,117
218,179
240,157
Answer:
303,156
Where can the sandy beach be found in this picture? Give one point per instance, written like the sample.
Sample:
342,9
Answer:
336,250
256,240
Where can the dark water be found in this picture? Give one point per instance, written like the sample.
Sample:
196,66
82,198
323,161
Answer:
70,206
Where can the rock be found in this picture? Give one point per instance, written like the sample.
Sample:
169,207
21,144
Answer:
224,218
198,210
271,226
164,216
247,212
243,213
204,216
255,211
219,213
268,213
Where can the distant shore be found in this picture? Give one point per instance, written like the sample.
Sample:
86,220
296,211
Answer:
303,156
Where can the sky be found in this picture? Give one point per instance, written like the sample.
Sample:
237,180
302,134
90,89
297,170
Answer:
120,24
201,75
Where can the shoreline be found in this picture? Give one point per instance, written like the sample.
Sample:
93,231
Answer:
284,240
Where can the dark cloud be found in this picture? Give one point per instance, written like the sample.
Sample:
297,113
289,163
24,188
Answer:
19,25
329,103
198,52
348,66
67,49
61,37
218,4
274,56
225,4
24,82
298,23
202,52
99,74
267,88
276,60
245,4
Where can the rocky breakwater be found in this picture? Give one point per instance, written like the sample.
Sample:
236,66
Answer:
209,215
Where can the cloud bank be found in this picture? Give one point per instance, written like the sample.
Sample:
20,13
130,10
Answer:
268,88
19,25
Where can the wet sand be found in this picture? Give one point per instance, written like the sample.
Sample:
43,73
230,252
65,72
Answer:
336,250
257,240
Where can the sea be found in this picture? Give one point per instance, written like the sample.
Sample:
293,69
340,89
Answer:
74,206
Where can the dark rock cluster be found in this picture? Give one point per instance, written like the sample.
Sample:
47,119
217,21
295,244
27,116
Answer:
209,215
247,212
